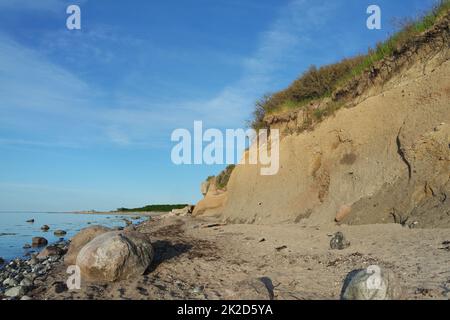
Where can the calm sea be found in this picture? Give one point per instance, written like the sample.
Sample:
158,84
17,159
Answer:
15,232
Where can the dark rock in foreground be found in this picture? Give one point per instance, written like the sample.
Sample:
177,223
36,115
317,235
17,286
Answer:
338,242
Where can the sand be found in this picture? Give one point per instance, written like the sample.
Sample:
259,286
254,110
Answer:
204,259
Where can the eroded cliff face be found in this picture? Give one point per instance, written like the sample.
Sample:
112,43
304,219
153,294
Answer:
384,158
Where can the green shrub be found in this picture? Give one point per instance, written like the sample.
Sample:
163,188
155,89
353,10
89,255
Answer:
154,208
223,177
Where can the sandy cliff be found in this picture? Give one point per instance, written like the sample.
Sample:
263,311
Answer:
385,158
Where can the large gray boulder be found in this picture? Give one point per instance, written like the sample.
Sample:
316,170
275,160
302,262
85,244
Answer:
373,283
115,255
80,240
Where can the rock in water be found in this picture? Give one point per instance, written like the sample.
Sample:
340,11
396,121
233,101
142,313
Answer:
2,261
45,227
338,242
80,240
30,221
372,283
115,255
38,241
59,233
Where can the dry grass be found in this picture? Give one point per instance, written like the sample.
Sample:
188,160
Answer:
319,83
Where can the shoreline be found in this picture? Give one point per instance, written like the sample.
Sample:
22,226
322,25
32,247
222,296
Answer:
201,258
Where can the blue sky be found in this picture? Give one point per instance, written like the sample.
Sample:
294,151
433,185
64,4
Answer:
86,115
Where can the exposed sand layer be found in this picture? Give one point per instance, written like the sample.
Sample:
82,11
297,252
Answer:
383,159
203,259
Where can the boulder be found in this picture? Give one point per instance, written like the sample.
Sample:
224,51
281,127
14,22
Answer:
50,251
80,240
338,242
59,233
38,241
115,255
45,227
373,283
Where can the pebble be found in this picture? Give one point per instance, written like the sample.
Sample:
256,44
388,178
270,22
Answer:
18,276
15,292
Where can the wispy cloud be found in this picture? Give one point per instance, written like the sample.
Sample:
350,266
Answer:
278,49
41,99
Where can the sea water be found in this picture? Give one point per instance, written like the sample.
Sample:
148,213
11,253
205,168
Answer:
15,232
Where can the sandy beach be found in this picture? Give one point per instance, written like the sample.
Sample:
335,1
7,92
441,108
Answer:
206,259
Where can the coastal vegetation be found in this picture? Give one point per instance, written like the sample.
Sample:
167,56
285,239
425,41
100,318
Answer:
154,208
319,83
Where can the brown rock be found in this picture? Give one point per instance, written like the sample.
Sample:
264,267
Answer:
80,240
38,241
343,212
50,251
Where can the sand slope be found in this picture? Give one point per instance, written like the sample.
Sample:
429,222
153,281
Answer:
387,159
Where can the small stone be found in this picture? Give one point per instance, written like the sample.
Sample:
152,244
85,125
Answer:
338,242
26,298
197,290
26,282
60,287
45,227
15,292
60,233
